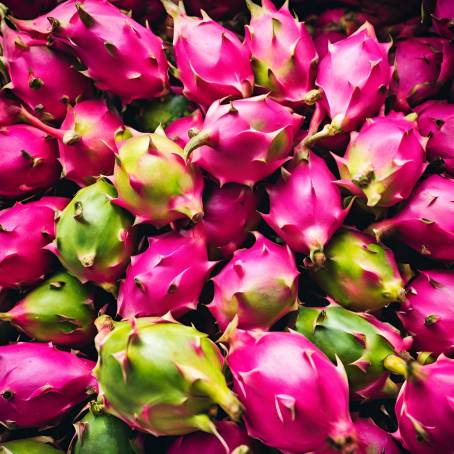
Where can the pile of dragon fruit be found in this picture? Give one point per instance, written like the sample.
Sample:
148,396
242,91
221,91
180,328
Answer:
227,227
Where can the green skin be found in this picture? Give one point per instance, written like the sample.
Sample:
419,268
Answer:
172,369
27,447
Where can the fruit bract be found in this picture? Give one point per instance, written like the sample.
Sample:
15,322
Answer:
178,129
29,446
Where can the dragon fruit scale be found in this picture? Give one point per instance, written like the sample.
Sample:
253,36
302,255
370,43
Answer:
294,398
28,446
443,18
180,382
178,129
25,231
29,395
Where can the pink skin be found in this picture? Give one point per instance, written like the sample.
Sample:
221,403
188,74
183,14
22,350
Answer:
282,52
9,110
215,9
28,162
295,399
425,405
436,120
393,150
26,230
27,10
428,313
34,397
168,276
309,185
354,76
322,40
443,18
421,67
247,139
259,286
177,130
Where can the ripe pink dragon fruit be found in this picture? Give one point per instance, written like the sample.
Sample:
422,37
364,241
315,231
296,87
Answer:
25,230
428,312
214,8
28,161
436,120
39,384
178,129
283,54
244,141
259,286
230,213
421,67
295,399
424,408
426,222
9,109
43,78
168,276
212,62
443,18
384,160
309,185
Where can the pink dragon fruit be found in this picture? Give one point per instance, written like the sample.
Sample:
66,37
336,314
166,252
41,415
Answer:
211,60
259,286
167,277
295,399
39,384
217,10
436,120
178,129
9,109
421,67
28,162
309,185
27,10
443,18
424,408
283,54
25,230
229,215
426,222
428,313
42,77
244,141
384,160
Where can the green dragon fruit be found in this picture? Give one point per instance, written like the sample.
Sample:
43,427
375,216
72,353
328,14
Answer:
28,446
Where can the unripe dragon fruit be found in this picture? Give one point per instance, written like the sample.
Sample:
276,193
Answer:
309,185
295,399
436,120
443,18
359,273
424,408
155,183
30,396
215,9
60,310
94,239
244,141
259,286
28,161
25,230
428,312
421,67
384,160
426,222
212,62
179,382
27,10
43,78
28,446
178,129
283,54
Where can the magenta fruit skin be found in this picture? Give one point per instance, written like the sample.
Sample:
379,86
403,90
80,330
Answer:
443,18
177,130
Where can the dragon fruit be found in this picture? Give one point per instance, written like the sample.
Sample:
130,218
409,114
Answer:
167,277
43,78
436,120
178,129
443,18
384,160
25,230
295,399
212,62
428,312
179,382
359,273
28,162
421,67
424,408
283,54
426,222
28,446
259,286
94,239
30,396
59,310
9,109
244,141
155,183
310,185
217,10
